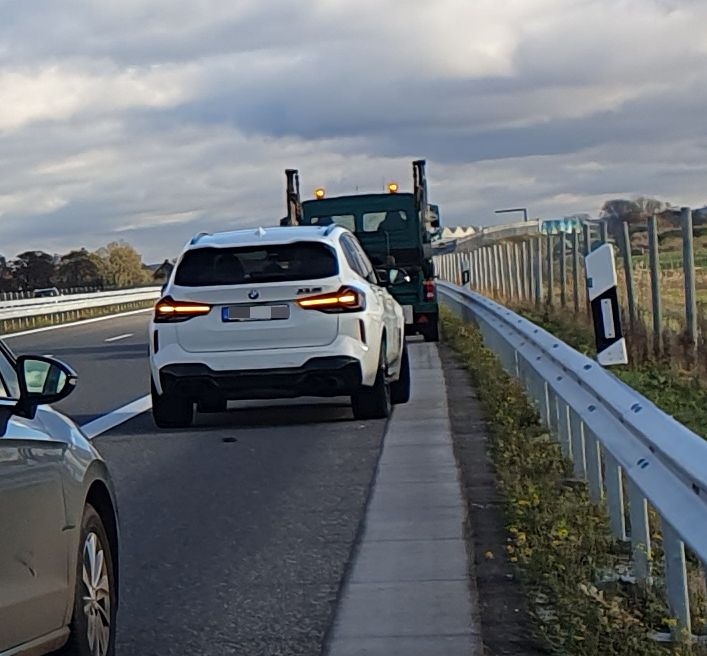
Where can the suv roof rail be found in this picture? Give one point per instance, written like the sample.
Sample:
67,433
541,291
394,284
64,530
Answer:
330,228
197,237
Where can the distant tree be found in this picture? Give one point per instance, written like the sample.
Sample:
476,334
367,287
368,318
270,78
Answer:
122,265
79,269
34,269
7,278
618,210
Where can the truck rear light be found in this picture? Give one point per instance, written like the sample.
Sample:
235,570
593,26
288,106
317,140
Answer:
169,310
430,290
347,299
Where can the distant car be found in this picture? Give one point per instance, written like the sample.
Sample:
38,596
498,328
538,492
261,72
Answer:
58,521
46,292
276,313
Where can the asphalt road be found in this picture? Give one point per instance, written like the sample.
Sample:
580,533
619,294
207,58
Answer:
236,534
111,373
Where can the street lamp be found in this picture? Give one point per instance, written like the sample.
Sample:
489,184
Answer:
515,209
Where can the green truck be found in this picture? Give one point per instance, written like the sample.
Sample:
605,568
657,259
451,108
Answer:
394,228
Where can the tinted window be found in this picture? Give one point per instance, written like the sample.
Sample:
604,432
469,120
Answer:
346,220
391,221
351,256
204,267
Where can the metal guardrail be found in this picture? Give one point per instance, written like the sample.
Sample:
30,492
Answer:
51,301
618,441
17,315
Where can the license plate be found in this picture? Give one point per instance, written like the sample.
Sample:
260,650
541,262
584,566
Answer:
407,312
255,312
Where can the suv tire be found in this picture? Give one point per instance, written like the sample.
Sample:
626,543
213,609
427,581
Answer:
400,389
374,402
170,410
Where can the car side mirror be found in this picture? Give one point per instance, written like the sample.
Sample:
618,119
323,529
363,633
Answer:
42,381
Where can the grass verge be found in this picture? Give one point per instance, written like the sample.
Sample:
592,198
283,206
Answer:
558,539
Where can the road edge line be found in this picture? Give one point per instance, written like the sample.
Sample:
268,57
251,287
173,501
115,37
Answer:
114,418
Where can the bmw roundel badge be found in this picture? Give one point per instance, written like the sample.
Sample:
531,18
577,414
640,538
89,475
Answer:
253,294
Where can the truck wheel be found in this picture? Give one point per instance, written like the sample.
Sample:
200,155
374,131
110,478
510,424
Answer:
171,411
431,331
373,402
400,389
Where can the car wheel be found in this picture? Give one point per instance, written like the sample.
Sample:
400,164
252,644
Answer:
373,402
93,621
171,411
431,331
400,389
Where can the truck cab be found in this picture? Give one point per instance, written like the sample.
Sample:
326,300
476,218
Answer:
394,231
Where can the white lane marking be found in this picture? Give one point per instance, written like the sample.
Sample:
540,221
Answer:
76,323
118,337
116,417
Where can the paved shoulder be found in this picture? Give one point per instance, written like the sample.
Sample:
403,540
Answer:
409,591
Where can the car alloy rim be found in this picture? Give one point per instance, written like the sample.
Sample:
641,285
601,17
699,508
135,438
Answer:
96,600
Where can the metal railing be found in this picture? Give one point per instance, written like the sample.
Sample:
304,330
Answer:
629,452
31,313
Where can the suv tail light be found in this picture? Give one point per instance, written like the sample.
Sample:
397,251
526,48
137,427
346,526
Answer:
169,310
347,299
430,290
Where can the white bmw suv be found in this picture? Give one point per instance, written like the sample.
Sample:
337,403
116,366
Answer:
276,313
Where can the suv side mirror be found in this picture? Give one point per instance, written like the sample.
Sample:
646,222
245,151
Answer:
42,381
397,276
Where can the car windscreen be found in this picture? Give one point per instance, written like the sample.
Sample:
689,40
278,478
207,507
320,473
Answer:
205,267
348,221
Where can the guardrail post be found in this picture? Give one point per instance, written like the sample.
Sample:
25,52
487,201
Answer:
505,267
525,271
688,263
640,532
655,284
517,268
487,269
498,281
564,427
538,272
510,291
586,249
628,273
676,579
579,455
615,496
550,270
594,470
575,270
563,271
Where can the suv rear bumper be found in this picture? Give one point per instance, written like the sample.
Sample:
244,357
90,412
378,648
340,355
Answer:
322,376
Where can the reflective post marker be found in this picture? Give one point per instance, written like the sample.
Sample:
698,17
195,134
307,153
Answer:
603,297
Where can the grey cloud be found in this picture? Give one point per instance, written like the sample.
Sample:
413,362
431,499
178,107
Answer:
267,85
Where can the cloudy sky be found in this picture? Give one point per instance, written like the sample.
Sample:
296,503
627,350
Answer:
150,120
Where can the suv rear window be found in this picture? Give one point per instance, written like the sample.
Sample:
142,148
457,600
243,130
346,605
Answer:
205,267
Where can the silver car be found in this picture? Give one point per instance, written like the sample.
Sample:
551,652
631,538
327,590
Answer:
58,521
